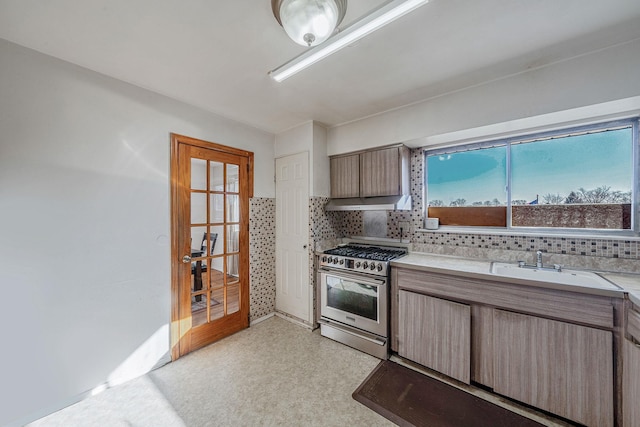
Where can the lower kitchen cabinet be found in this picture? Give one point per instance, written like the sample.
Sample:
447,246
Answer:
555,350
560,367
631,370
435,333
631,385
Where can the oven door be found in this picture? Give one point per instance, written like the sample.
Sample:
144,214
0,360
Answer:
354,301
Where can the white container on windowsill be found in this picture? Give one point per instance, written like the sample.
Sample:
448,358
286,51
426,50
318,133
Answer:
432,223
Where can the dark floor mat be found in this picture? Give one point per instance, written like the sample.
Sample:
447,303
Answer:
409,398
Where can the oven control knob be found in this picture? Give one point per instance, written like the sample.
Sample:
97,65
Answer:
341,261
372,266
335,260
358,264
365,265
379,267
324,259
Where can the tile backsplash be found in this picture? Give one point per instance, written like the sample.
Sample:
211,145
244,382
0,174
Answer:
325,225
262,257
554,245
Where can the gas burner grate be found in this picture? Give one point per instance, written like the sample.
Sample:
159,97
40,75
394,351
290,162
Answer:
375,253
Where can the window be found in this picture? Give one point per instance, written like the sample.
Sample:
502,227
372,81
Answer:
580,178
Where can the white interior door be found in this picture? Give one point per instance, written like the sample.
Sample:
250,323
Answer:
293,290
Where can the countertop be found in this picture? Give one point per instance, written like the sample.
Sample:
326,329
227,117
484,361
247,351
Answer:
628,284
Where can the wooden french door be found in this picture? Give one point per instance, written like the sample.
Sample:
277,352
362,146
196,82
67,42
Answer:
210,191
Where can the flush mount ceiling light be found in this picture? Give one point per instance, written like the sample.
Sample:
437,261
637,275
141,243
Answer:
380,17
309,22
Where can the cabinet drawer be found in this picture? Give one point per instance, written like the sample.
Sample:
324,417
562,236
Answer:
567,306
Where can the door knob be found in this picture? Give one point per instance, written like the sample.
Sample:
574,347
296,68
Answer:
304,247
186,259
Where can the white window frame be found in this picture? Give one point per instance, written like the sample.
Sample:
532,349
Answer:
634,123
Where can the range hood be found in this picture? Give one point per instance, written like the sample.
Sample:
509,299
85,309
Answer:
385,203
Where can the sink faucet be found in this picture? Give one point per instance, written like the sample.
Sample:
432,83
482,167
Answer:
538,265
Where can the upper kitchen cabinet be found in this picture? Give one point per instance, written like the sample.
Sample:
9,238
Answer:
372,173
381,172
345,176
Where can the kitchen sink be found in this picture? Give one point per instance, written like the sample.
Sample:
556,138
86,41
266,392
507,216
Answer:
565,276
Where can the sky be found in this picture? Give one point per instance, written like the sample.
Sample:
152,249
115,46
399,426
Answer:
556,166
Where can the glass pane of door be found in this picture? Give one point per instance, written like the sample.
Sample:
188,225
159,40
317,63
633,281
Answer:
215,234
217,208
198,208
198,174
233,178
233,298
216,172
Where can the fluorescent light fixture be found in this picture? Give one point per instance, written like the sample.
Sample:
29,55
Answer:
377,19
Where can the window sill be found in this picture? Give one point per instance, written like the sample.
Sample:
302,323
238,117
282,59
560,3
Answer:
533,233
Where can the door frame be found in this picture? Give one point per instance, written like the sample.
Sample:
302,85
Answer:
179,327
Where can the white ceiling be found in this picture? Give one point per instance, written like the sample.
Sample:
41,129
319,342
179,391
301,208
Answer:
216,54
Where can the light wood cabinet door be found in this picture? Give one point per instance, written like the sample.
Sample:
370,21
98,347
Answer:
345,176
435,333
482,344
563,368
631,384
380,173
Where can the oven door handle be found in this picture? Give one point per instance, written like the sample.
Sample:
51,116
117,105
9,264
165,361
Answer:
359,279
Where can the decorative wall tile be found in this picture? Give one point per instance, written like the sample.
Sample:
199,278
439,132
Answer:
262,261
323,226
333,224
328,226
415,215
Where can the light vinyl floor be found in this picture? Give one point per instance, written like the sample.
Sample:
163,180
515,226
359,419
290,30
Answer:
275,373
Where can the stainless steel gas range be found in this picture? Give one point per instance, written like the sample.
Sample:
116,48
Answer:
354,295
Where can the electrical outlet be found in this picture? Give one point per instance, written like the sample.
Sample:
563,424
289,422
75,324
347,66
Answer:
403,227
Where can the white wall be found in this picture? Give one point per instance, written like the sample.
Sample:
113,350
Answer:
604,76
295,140
84,226
308,137
320,164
